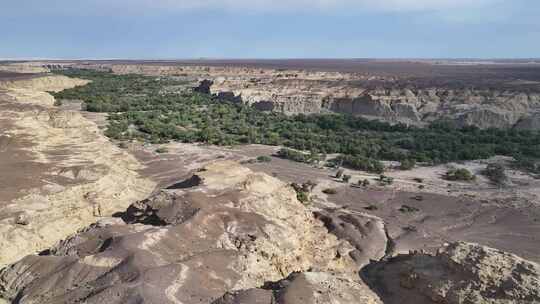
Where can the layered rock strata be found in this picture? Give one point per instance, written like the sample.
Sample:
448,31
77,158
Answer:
59,173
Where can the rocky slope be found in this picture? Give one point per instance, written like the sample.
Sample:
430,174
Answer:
460,273
225,229
229,235
57,171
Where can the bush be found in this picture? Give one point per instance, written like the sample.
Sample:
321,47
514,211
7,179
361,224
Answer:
385,180
408,209
330,191
293,155
359,163
302,191
495,173
407,164
460,174
264,159
364,182
303,197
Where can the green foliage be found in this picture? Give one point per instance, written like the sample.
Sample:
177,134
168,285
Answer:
303,191
385,180
528,164
407,164
408,209
302,196
264,159
143,107
364,182
293,155
162,150
460,174
495,173
359,163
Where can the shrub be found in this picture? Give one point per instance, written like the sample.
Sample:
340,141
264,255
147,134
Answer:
408,209
303,197
264,159
302,192
293,155
364,182
385,180
460,174
359,163
330,191
495,173
407,164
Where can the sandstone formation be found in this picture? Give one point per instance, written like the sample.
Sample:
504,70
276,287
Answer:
226,229
305,288
24,67
229,235
57,171
373,97
500,103
461,273
367,234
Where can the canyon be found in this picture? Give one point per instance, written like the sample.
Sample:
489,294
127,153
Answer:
84,220
506,98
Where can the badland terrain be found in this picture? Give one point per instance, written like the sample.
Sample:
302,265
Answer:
270,181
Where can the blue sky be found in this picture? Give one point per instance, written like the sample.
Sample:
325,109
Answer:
270,29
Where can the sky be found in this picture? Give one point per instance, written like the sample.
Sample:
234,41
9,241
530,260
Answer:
183,29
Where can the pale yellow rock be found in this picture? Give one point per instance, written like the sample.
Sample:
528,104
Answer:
102,168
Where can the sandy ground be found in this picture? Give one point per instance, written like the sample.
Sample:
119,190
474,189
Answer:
442,212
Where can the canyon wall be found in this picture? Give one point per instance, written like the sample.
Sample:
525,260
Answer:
392,99
58,173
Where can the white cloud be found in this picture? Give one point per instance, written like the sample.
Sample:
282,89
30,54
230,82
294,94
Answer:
302,5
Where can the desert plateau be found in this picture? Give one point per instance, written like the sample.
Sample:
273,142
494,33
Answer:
103,202
270,152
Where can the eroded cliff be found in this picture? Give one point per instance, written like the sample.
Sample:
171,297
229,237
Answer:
58,172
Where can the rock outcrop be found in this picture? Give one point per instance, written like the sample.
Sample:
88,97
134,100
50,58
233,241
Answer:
461,273
225,230
58,172
305,288
229,235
